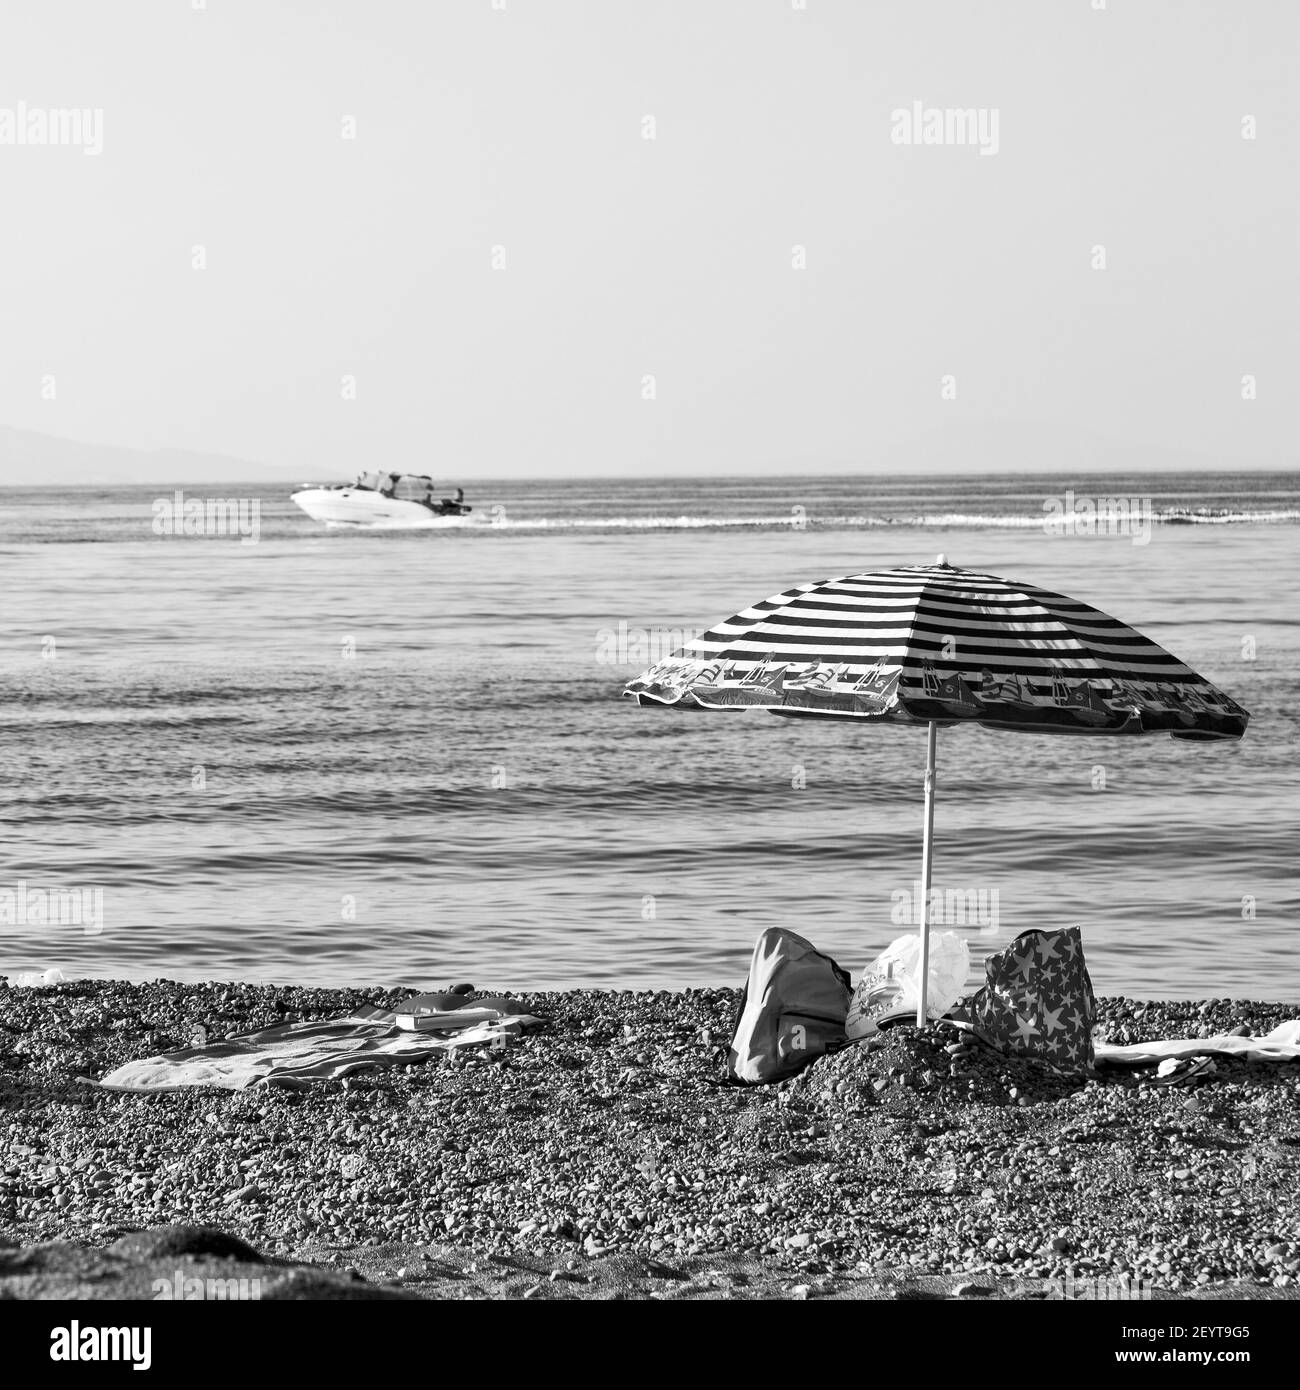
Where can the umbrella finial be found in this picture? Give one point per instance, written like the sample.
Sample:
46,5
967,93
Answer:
943,560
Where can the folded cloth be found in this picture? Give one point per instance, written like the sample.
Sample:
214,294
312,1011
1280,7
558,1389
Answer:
295,1054
441,1012
1281,1045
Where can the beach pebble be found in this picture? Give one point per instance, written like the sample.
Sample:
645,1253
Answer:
945,1177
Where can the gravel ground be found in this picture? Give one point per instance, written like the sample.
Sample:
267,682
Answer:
604,1142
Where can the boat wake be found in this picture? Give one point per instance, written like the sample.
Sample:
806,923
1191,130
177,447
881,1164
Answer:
956,521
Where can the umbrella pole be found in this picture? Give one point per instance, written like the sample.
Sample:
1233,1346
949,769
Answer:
926,854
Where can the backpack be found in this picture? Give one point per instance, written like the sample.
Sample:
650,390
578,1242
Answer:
791,1012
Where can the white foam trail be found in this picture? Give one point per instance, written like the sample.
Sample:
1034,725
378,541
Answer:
961,521
955,520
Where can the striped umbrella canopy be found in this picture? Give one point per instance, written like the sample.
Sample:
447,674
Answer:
937,645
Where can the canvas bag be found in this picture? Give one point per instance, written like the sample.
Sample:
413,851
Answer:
1037,1000
792,1010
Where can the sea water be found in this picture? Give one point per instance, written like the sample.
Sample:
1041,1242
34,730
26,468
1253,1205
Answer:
340,757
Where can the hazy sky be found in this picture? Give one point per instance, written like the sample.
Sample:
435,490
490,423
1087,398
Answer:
520,125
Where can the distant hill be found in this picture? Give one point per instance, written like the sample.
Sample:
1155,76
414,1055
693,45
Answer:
29,459
967,447
1040,446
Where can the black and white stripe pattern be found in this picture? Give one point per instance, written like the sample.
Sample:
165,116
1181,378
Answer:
927,642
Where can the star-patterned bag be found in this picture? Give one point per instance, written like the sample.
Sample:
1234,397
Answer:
1037,1000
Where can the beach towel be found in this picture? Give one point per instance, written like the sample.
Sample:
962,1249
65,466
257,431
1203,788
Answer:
1281,1045
294,1055
1037,1000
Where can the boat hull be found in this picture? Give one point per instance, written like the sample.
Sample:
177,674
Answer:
361,507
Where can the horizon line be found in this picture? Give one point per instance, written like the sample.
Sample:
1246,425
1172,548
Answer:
913,475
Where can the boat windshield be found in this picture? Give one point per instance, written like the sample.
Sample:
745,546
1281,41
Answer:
410,487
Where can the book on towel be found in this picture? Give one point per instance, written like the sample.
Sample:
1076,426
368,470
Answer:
434,1012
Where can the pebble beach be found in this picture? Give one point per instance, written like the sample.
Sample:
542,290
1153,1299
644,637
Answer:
605,1141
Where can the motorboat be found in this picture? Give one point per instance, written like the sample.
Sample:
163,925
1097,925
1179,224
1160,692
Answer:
385,499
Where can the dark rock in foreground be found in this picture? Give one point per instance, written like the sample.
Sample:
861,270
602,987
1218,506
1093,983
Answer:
174,1262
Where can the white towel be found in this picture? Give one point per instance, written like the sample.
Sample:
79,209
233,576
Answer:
1281,1045
295,1054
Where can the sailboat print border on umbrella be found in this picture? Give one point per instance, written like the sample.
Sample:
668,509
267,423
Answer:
937,645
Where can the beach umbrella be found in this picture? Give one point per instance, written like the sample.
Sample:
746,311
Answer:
937,645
